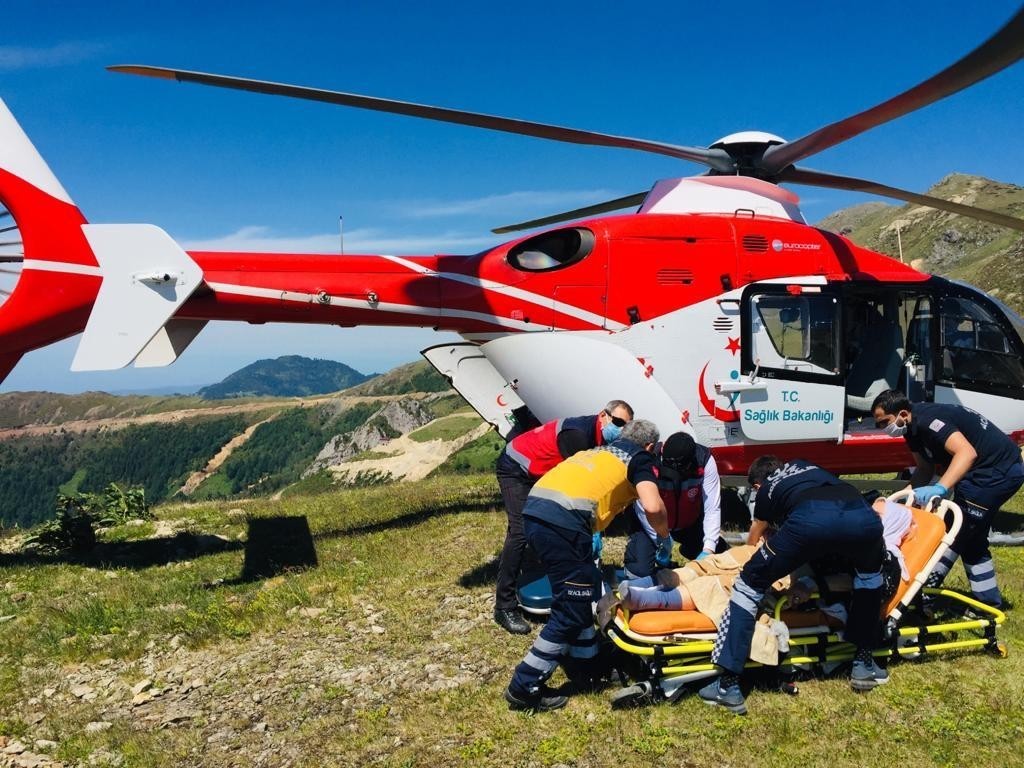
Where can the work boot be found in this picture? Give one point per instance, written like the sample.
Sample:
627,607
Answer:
730,697
511,621
866,676
544,700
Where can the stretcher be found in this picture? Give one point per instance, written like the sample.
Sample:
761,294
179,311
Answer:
668,650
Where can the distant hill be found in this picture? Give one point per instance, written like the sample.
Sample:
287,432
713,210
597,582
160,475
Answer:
288,376
411,377
985,255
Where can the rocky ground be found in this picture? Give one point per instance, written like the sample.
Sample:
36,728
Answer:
242,701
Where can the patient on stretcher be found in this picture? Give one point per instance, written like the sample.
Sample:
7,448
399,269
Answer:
705,585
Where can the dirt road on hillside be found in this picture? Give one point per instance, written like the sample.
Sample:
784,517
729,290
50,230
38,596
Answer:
170,417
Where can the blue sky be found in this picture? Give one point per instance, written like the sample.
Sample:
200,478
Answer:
223,169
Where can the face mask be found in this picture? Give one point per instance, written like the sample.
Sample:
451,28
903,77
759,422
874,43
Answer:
610,432
895,428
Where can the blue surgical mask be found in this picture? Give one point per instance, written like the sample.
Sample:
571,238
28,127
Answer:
610,432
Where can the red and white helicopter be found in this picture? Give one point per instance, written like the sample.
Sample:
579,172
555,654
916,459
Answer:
715,308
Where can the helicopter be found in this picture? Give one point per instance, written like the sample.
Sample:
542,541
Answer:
713,307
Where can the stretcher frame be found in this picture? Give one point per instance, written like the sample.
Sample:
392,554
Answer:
668,663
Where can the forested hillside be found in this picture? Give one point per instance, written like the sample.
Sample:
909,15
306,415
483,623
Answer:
157,457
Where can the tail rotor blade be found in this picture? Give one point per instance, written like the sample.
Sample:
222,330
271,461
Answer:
835,181
629,201
998,52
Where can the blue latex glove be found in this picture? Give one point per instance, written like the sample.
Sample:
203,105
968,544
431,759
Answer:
598,545
703,553
663,553
925,493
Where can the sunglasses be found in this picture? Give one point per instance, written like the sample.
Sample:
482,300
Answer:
616,420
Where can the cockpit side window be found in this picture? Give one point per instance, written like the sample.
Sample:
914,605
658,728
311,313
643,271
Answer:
975,347
552,250
802,331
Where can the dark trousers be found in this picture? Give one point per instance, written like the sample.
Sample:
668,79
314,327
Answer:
638,559
515,487
979,504
849,529
569,634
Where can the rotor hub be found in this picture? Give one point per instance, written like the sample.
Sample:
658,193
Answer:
746,148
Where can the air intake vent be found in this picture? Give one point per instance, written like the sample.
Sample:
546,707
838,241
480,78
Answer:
755,243
675,277
722,324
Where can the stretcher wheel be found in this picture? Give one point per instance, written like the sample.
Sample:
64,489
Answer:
1001,649
633,696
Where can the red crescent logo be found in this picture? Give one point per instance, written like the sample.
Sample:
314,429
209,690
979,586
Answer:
500,400
722,414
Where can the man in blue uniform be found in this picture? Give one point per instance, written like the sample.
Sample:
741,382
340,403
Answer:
525,459
976,462
566,506
692,492
814,514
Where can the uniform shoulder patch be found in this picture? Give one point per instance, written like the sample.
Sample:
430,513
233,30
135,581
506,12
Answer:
936,425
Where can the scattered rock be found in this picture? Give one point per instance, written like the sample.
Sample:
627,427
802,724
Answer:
98,726
14,748
142,685
81,691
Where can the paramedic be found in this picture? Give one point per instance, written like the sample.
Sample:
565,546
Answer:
579,496
815,513
692,492
976,463
525,458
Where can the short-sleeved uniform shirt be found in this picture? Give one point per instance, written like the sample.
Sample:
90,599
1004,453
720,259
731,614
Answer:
934,423
788,486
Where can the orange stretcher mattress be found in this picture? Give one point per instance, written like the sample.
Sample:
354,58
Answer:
917,548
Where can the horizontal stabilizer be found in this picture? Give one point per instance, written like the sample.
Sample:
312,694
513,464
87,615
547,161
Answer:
146,278
169,342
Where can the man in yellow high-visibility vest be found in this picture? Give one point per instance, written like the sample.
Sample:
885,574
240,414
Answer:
564,509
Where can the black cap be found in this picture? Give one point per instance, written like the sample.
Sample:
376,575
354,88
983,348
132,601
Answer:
679,450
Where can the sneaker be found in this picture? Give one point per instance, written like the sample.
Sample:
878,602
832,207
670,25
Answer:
731,698
511,621
543,701
867,676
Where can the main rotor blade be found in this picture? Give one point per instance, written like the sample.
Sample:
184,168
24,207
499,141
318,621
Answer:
629,201
713,158
834,181
998,52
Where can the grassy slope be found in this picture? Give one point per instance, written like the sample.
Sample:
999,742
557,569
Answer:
405,576
983,254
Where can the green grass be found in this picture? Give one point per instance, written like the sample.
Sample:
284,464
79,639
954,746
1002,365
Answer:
447,428
71,486
416,561
477,456
372,455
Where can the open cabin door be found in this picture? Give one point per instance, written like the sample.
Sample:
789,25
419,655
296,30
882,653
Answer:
472,376
789,386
